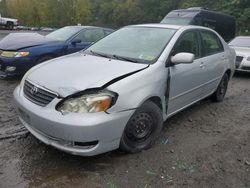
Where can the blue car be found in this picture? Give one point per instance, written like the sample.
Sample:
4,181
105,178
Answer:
21,51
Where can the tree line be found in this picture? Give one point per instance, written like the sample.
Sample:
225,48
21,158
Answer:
113,13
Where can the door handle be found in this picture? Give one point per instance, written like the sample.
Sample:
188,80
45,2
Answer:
223,58
202,65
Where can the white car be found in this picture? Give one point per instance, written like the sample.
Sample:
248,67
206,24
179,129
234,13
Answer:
9,23
241,45
118,92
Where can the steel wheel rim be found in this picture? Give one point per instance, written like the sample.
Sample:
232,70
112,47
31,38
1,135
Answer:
140,127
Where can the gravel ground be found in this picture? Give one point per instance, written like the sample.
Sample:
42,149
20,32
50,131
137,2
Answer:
206,145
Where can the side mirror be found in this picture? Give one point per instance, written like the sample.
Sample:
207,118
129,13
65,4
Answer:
76,41
182,58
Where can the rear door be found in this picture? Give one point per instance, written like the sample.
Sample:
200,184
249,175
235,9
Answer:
213,59
186,79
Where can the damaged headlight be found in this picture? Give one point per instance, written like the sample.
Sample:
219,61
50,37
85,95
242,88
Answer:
88,103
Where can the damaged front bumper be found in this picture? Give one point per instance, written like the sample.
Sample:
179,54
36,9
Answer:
78,134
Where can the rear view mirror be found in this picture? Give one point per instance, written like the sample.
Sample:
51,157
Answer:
76,41
182,58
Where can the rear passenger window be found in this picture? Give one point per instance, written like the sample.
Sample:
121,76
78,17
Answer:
188,42
211,43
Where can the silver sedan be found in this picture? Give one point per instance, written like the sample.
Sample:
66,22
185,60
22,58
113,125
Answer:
118,92
241,45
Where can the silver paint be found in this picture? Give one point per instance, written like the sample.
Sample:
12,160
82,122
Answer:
67,75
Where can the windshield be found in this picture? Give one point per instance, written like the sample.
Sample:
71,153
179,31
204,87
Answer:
135,44
176,21
240,42
64,33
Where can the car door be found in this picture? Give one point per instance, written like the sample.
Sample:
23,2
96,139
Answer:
84,39
213,59
185,79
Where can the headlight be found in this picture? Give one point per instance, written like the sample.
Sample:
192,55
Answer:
88,103
13,54
248,59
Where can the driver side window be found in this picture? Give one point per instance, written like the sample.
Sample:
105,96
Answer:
188,42
90,35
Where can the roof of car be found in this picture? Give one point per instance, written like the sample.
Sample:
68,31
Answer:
200,9
177,27
87,26
247,37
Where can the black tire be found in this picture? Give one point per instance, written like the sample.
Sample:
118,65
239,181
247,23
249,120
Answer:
43,59
220,92
142,128
10,25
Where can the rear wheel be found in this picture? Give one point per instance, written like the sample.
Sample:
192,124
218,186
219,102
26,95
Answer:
142,128
10,25
220,93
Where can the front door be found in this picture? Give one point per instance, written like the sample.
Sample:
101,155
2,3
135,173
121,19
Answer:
185,79
86,38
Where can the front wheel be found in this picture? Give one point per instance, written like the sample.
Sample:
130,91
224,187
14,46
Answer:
142,128
220,92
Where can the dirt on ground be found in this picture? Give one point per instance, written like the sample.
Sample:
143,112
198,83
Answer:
206,145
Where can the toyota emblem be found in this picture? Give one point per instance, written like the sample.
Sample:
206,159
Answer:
34,90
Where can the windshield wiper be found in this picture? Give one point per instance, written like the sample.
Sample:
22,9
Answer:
115,57
126,59
100,54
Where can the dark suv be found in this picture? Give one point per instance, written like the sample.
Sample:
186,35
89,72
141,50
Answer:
225,25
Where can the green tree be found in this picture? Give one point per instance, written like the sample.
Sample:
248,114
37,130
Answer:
3,7
114,13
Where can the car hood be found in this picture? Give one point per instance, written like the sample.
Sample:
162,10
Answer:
17,41
242,51
78,72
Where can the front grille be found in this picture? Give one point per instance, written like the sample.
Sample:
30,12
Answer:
238,61
37,94
239,58
245,68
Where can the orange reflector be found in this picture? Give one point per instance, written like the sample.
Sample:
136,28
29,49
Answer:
104,105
